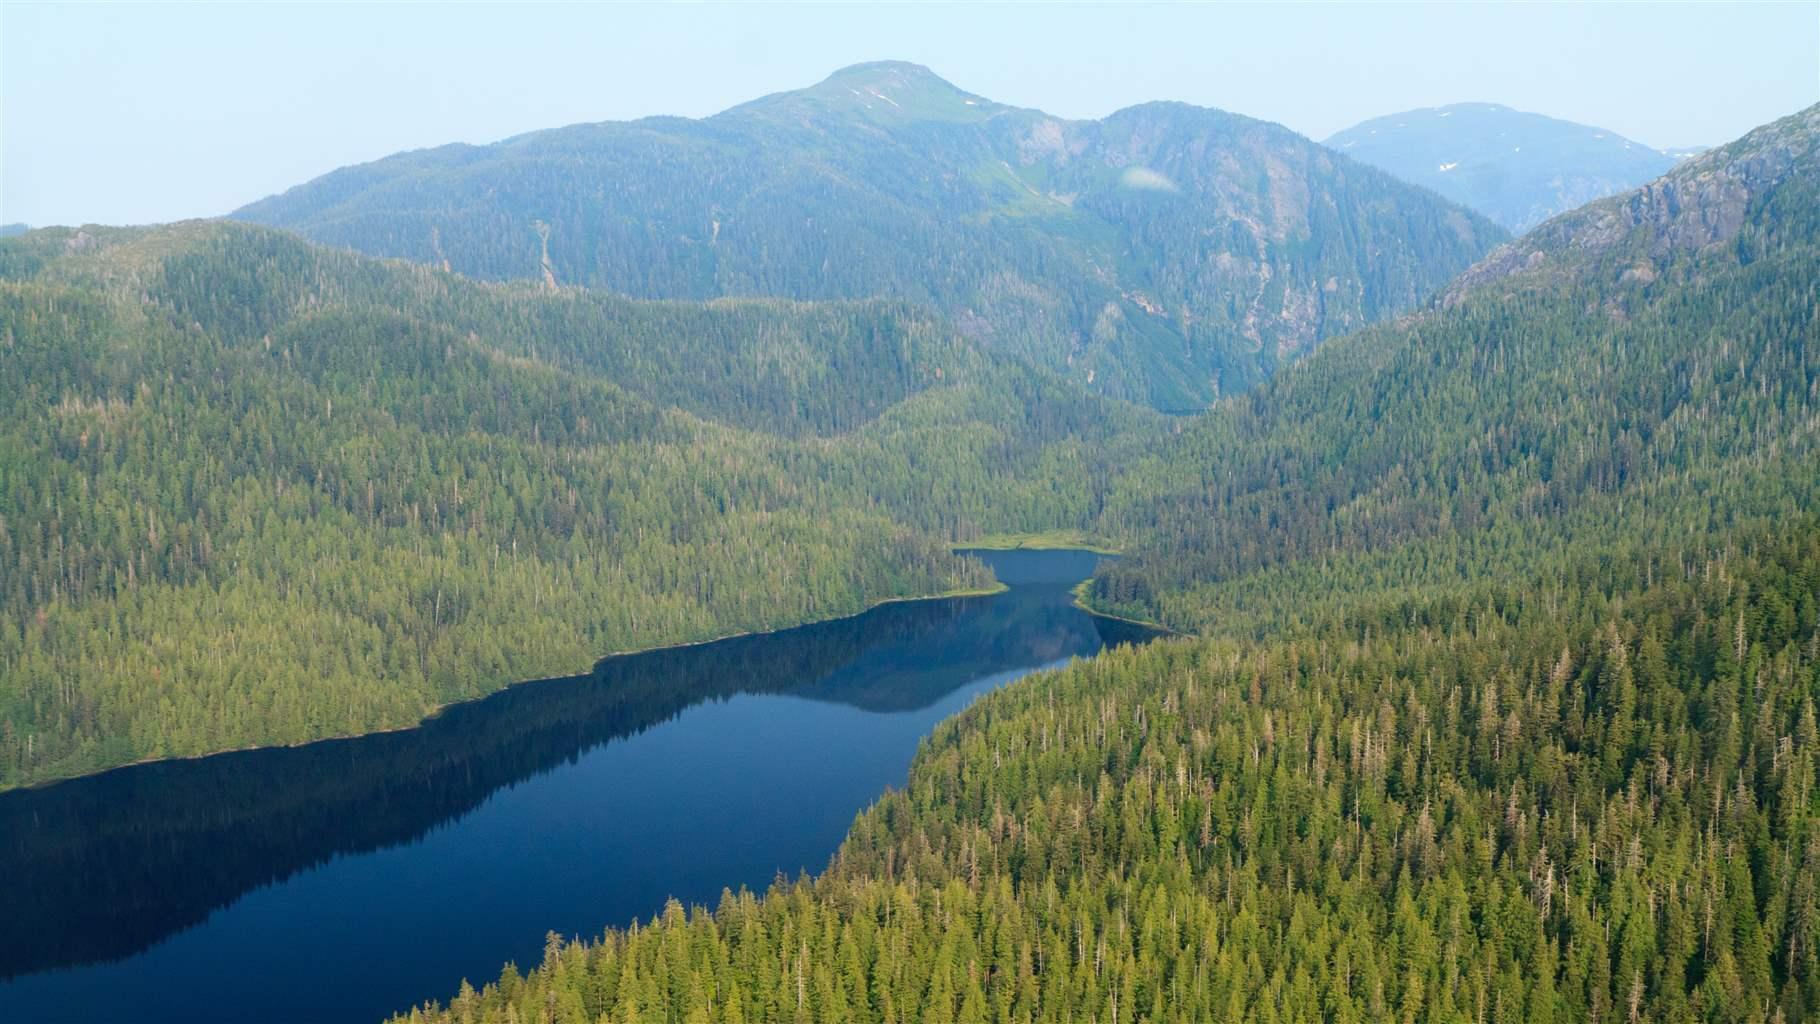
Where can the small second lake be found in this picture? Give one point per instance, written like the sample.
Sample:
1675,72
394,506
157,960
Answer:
345,880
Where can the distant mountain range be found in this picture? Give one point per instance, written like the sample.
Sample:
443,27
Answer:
1762,186
1165,254
1516,168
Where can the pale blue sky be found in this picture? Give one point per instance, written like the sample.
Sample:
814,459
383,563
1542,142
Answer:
121,113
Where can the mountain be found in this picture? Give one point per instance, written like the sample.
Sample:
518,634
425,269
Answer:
1631,373
1517,168
259,492
1756,192
8,230
1503,707
1165,254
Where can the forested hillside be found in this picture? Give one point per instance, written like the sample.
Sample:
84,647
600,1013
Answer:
1641,372
257,492
1166,254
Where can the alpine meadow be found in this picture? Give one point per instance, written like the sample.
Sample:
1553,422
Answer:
881,554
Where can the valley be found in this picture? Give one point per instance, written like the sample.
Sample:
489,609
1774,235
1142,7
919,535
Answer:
1146,566
1501,703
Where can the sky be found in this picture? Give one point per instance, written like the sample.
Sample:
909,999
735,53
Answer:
139,113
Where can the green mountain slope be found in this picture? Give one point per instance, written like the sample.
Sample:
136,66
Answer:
257,492
1518,169
1163,255
1642,369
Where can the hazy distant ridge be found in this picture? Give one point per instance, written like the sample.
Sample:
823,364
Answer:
1517,168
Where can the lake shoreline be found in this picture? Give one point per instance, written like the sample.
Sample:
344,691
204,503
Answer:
439,709
1080,601
1063,540
586,800
1045,540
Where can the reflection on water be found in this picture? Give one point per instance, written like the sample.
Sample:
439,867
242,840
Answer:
349,878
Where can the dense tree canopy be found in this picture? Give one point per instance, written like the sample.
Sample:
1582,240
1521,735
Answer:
255,492
1528,805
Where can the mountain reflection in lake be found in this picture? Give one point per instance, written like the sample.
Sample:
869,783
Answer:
350,878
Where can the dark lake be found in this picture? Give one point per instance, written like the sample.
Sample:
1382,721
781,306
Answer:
345,880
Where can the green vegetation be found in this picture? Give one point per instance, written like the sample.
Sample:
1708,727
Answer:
1045,540
254,492
1164,255
1566,406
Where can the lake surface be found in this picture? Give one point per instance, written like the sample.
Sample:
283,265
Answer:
345,880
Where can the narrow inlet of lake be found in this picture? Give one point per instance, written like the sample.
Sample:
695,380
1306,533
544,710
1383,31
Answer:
345,880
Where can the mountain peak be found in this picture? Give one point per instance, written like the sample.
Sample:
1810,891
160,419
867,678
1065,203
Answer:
882,90
1062,242
868,69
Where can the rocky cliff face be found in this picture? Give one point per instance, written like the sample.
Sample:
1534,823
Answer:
1702,203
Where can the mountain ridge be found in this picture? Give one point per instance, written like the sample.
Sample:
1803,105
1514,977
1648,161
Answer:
1702,201
1053,240
1624,376
1516,167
